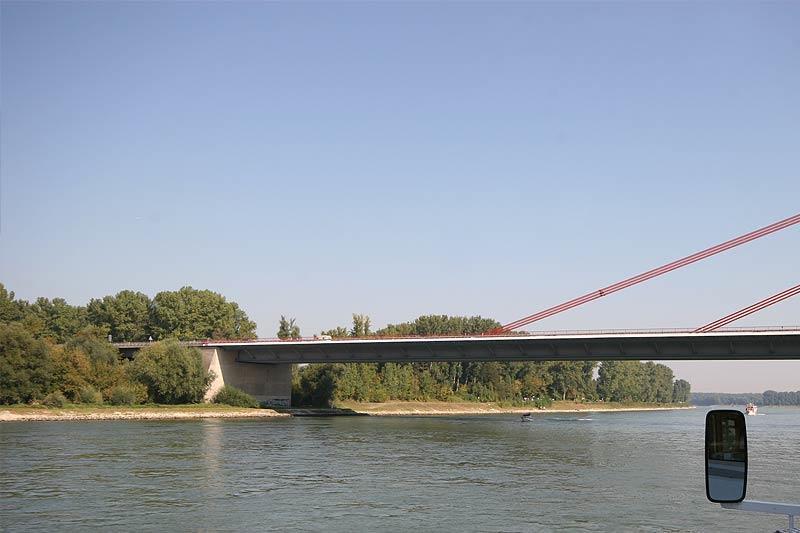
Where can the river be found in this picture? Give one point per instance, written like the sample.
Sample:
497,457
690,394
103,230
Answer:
640,471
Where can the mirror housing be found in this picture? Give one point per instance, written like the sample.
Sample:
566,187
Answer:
726,456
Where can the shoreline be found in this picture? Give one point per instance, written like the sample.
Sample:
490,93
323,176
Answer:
203,411
155,413
447,408
518,411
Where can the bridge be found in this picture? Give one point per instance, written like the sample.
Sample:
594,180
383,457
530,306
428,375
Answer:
775,343
263,367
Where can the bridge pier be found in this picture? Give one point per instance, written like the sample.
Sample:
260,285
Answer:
270,384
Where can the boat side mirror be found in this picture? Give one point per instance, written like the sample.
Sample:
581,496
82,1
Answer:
726,456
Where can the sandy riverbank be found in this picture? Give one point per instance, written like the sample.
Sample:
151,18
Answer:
20,414
469,408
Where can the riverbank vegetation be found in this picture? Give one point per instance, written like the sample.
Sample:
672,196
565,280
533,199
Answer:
531,383
88,369
235,398
520,383
58,354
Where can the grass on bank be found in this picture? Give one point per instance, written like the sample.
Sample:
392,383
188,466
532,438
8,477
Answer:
226,400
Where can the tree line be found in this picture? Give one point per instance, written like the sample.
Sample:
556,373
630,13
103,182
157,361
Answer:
185,314
769,397
55,352
89,369
538,383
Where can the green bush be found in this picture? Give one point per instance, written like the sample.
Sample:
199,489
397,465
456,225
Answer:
315,385
55,399
171,372
122,395
89,394
541,403
236,397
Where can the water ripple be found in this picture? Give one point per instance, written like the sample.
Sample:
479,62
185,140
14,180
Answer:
614,472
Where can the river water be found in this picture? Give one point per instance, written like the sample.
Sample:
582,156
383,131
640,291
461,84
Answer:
638,471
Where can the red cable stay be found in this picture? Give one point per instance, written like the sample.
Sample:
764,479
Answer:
594,295
775,298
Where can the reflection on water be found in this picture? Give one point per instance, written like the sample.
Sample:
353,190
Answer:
620,472
212,445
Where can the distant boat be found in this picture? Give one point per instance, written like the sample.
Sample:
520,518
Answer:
751,409
526,417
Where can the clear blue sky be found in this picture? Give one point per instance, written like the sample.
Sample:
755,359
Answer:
398,159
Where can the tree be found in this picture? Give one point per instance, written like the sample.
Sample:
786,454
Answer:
621,381
440,325
92,340
71,370
11,309
534,379
171,372
26,366
360,382
59,320
287,329
361,325
659,381
405,329
126,315
105,368
398,380
315,385
189,314
681,391
572,379
338,332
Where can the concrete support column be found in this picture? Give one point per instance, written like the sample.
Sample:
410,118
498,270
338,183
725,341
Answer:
270,384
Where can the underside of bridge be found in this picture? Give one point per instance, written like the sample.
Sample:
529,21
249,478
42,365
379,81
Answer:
270,384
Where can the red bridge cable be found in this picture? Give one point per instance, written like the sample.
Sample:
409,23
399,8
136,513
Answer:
594,295
788,293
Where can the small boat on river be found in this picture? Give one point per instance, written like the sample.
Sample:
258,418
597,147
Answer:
751,409
527,417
